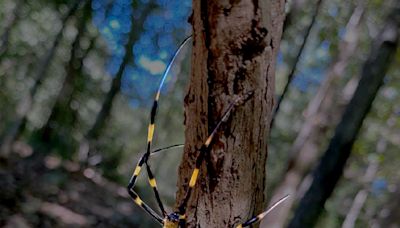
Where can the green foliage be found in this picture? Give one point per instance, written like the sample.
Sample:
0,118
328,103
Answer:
124,138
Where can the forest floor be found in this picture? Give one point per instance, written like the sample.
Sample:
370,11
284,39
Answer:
43,191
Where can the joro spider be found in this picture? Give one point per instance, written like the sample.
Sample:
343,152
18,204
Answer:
178,219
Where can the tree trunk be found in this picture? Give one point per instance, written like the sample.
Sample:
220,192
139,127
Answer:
333,161
235,45
106,107
322,114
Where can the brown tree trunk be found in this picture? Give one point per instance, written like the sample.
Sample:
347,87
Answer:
333,161
235,45
322,114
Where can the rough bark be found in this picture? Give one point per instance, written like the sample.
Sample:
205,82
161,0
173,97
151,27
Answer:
106,107
26,103
333,161
235,45
322,114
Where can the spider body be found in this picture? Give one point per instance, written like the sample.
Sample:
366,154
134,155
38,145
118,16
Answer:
171,221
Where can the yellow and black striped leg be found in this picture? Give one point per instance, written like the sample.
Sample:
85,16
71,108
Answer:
205,149
145,157
135,196
144,206
136,172
166,148
262,215
182,221
153,184
152,180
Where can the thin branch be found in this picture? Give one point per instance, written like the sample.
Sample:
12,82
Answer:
296,61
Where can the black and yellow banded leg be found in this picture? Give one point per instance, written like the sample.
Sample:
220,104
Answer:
153,184
205,149
182,221
145,157
262,215
152,181
144,206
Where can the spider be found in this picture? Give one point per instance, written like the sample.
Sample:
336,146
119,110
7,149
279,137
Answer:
178,219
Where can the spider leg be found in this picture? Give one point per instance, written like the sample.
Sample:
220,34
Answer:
182,221
144,206
145,157
205,149
153,184
262,215
166,148
152,181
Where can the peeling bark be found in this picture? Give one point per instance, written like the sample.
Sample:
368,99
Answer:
235,45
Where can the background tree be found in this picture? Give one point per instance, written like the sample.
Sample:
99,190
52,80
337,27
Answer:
321,115
333,161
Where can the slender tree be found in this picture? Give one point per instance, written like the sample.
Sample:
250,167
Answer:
322,114
333,161
297,59
235,45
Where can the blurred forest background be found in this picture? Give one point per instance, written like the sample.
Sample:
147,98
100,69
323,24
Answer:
77,80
